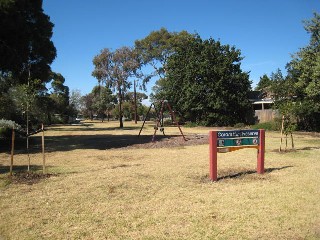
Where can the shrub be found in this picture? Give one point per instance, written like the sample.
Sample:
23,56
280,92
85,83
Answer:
239,125
190,124
270,126
9,124
6,127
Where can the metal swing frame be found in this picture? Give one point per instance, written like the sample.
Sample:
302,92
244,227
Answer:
160,119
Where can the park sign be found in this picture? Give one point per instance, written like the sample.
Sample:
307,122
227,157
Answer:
228,141
232,140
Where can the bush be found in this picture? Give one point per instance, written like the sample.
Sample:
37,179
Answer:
269,126
239,125
190,124
6,128
9,124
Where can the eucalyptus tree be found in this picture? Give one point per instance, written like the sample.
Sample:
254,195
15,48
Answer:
114,68
158,46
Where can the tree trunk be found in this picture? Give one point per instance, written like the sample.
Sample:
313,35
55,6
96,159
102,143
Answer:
49,118
135,101
120,107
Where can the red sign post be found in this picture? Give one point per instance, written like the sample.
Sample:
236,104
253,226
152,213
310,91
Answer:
227,141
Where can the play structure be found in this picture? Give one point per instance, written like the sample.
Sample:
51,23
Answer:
160,116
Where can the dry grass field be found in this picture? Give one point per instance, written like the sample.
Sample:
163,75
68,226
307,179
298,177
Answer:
105,183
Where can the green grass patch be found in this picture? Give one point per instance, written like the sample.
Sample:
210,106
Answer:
269,126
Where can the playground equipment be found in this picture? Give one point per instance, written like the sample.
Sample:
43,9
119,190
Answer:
159,122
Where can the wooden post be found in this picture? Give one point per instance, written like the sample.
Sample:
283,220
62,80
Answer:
12,151
213,151
43,154
145,119
173,116
158,121
261,150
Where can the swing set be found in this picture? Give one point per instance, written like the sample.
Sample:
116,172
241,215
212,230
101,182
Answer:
160,116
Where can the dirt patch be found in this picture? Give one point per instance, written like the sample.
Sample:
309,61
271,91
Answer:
28,177
172,141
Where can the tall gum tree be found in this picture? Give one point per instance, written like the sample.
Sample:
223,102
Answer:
155,49
114,69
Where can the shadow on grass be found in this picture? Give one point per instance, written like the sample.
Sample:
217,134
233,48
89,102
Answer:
87,128
72,142
20,168
241,174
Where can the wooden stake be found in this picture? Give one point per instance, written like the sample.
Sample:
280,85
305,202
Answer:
12,151
43,154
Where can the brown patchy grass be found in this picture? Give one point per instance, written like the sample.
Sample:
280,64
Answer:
105,185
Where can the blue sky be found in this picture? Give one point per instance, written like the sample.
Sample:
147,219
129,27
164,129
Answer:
267,32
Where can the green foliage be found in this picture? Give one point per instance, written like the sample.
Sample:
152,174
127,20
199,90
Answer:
264,86
239,125
26,52
205,82
25,45
103,100
263,83
190,124
9,124
114,69
157,47
6,127
269,126
303,79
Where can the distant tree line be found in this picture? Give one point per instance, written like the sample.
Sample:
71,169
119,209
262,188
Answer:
201,78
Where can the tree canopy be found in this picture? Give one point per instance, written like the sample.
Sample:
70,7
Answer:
158,46
26,48
304,78
205,82
297,95
114,69
26,52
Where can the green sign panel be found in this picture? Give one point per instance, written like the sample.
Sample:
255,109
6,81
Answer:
238,138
